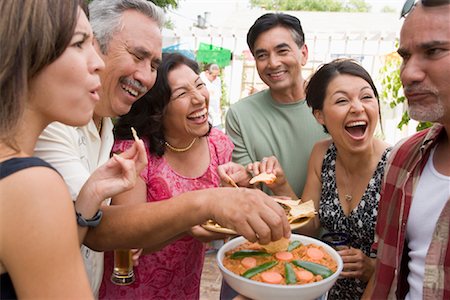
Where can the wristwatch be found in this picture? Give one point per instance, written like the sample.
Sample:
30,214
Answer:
92,222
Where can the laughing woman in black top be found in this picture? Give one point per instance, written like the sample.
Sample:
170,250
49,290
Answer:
345,172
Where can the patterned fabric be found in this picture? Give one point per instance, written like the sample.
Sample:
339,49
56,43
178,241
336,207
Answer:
359,225
173,272
402,175
7,168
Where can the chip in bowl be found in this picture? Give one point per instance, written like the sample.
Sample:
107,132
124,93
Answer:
277,246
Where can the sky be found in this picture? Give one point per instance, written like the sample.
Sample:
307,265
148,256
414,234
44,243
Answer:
210,4
378,4
189,9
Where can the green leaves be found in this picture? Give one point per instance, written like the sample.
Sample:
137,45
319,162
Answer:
313,5
392,89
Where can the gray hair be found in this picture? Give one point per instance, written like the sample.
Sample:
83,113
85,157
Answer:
213,67
106,17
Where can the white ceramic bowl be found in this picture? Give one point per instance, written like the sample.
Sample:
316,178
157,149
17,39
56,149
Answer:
262,291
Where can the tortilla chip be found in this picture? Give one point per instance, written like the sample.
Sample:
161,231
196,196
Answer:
135,136
289,203
296,210
277,246
304,210
263,177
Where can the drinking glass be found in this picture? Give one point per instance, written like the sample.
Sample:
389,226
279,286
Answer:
123,273
337,240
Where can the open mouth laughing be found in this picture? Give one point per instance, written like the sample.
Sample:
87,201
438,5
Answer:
356,129
199,116
132,87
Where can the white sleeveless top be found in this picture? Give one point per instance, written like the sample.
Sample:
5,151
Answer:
432,192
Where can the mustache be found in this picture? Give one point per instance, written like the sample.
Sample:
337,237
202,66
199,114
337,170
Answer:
135,84
418,89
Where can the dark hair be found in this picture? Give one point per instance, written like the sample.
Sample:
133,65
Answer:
271,20
146,114
318,84
34,34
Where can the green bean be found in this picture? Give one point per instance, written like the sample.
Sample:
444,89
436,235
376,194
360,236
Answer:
289,274
258,269
247,253
293,245
314,268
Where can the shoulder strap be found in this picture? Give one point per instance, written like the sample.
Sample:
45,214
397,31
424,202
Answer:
13,165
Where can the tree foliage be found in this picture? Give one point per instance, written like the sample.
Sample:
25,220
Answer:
165,4
313,5
392,89
388,9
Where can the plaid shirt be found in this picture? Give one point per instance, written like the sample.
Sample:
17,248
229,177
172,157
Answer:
402,174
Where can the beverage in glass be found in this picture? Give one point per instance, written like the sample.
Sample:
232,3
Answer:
337,240
123,267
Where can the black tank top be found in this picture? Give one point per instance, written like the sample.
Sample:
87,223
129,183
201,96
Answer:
7,168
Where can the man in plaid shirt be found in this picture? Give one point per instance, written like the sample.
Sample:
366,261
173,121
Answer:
412,233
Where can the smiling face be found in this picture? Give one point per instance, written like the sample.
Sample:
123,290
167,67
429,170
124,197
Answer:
132,59
425,71
67,89
279,60
350,111
186,114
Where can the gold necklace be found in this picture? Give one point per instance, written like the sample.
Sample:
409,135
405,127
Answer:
347,196
180,149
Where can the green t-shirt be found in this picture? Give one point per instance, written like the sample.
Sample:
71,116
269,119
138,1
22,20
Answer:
260,127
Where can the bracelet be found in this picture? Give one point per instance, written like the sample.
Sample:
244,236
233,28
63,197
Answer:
92,222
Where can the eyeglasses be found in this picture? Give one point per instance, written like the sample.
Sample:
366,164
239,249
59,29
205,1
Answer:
409,4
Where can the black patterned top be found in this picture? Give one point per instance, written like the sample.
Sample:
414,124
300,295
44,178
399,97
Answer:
359,225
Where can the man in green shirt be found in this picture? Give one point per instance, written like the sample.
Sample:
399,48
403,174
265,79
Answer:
276,121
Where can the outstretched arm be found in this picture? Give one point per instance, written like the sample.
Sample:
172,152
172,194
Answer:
250,212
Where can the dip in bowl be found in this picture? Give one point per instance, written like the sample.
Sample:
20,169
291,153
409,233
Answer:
289,287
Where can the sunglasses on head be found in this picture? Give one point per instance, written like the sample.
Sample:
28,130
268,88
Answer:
409,4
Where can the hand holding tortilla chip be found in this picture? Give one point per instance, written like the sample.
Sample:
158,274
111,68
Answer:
267,178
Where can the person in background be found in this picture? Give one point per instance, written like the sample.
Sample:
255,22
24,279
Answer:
213,84
276,122
46,78
345,171
127,36
413,228
183,155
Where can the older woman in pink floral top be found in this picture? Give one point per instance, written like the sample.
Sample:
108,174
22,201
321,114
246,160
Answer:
183,155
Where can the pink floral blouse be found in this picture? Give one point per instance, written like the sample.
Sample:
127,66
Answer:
173,272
